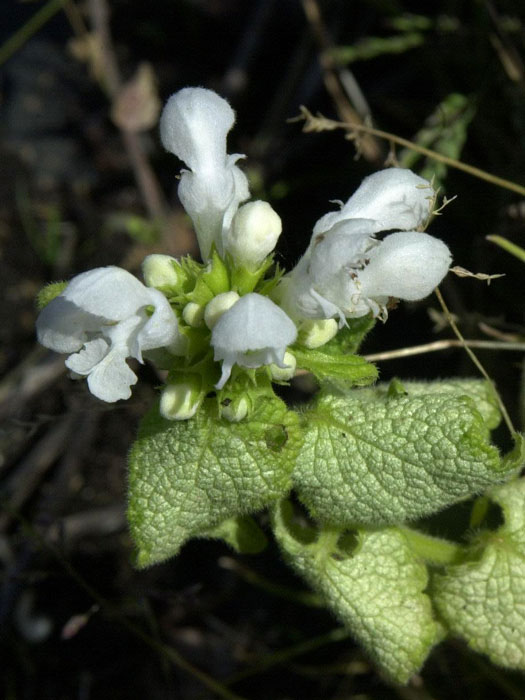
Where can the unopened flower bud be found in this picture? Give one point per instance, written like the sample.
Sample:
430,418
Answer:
181,401
193,314
236,410
283,374
254,233
217,306
160,271
314,334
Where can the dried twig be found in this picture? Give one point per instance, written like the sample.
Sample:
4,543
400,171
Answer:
477,363
320,123
368,145
442,345
147,182
28,475
34,374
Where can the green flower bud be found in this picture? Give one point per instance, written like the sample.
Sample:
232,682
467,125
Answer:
193,314
236,410
283,374
181,401
161,271
314,333
217,306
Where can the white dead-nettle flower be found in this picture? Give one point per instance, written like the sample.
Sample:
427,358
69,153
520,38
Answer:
395,198
347,273
194,125
252,333
102,317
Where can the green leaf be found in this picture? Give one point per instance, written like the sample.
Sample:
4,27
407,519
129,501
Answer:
341,370
477,389
187,477
483,599
374,46
374,586
373,459
445,132
241,533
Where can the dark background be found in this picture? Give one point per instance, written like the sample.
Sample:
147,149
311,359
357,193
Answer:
71,199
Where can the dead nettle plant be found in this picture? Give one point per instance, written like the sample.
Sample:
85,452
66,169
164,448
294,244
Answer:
363,460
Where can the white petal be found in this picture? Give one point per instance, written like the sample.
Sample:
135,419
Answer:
61,326
206,198
395,198
211,199
253,323
161,329
123,336
109,292
83,362
241,192
407,265
194,125
254,332
336,250
111,379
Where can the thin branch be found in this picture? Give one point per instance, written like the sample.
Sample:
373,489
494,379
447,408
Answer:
144,175
29,29
478,364
443,345
320,123
332,80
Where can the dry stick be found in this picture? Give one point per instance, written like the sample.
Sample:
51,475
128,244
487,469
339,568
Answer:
369,147
271,659
143,172
321,123
443,345
36,372
30,472
475,360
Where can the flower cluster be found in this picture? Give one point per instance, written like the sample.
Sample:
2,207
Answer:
190,316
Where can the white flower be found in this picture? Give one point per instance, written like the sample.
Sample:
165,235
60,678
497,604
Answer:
194,125
252,333
254,233
102,317
395,198
347,273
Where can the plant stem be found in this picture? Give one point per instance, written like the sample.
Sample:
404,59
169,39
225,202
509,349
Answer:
320,123
511,248
432,549
279,657
478,364
26,31
444,345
